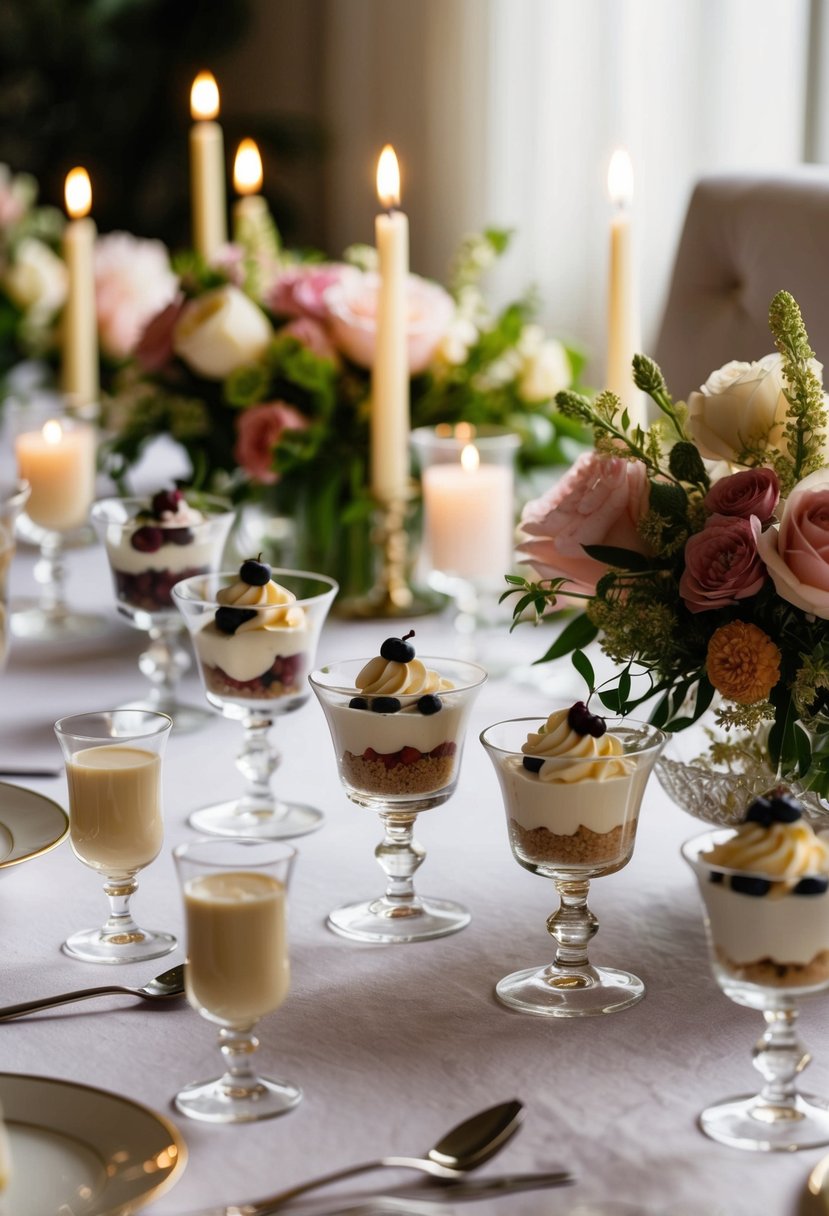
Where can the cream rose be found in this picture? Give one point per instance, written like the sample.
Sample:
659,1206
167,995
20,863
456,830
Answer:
545,368
36,279
221,331
740,406
797,552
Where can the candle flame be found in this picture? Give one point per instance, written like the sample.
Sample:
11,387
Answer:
620,178
52,431
247,168
464,431
470,458
388,178
78,193
204,97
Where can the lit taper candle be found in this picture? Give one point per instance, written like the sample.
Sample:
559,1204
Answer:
79,370
390,376
207,168
623,325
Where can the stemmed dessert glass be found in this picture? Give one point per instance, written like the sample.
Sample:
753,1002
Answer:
237,969
572,830
113,767
255,675
12,501
769,946
146,557
398,763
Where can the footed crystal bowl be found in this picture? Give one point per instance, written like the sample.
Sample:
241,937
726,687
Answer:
722,796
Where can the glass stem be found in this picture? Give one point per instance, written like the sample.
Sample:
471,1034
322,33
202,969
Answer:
50,573
257,762
779,1056
572,924
237,1047
120,928
400,856
164,662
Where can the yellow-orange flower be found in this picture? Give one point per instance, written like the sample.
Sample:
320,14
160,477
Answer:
743,662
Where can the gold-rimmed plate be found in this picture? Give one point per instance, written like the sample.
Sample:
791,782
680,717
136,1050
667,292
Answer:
79,1151
30,824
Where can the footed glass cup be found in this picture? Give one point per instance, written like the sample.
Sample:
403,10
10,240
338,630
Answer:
572,831
237,970
113,767
398,764
769,944
143,579
255,675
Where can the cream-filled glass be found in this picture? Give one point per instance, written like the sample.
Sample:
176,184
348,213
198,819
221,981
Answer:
113,771
237,970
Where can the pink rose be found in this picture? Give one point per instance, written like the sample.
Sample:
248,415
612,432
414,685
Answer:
721,565
797,553
259,430
311,334
352,305
133,282
300,291
155,346
750,492
599,501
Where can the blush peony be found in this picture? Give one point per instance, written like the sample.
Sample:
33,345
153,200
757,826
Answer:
259,430
133,282
721,565
352,306
797,552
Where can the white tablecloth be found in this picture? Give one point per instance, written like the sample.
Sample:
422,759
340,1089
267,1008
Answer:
394,1044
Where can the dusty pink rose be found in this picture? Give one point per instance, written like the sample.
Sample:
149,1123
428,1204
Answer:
258,432
155,346
230,260
797,553
311,334
750,492
300,291
352,304
722,565
133,282
599,501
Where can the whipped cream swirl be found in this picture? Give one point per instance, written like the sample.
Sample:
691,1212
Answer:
573,757
783,851
278,606
383,677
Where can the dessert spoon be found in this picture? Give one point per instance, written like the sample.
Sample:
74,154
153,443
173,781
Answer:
463,1148
165,987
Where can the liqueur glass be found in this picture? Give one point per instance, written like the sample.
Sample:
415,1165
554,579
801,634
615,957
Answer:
12,501
572,830
398,764
237,969
769,946
143,579
255,675
113,768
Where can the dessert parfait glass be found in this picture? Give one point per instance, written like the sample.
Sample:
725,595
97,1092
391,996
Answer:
113,767
769,946
577,824
255,674
237,969
398,763
12,501
147,555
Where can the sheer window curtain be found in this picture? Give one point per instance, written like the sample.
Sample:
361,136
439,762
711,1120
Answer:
506,112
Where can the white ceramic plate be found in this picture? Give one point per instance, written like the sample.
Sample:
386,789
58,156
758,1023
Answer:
79,1151
30,824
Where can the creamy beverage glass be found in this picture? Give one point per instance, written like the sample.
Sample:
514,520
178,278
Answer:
113,770
237,969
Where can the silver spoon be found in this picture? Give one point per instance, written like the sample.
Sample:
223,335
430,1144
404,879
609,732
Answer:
165,987
463,1148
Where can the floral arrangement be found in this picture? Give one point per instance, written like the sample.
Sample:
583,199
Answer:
698,553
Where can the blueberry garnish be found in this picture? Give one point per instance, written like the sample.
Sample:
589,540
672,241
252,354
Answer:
358,703
785,808
147,539
583,722
166,501
178,536
228,620
760,812
716,876
812,886
385,705
430,704
747,884
255,573
398,650
533,764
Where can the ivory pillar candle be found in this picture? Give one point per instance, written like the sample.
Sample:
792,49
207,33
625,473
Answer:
79,355
390,374
623,324
207,168
250,211
468,518
59,464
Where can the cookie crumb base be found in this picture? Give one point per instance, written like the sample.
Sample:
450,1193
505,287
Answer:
768,973
376,774
583,847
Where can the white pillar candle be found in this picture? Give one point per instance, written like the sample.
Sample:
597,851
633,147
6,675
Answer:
623,323
250,211
79,356
390,374
468,518
59,464
207,168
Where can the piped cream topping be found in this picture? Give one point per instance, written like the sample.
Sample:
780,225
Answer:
556,740
383,677
282,610
784,851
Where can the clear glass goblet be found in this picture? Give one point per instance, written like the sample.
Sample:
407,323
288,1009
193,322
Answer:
12,501
145,560
769,944
237,970
572,831
398,764
255,675
113,767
